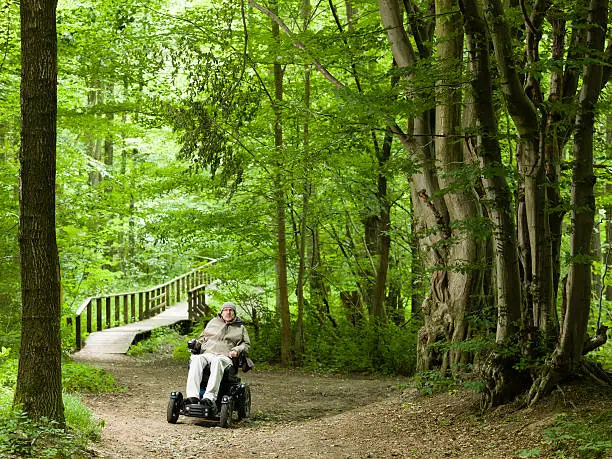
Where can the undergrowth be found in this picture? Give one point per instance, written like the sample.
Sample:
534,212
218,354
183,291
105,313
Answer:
77,377
385,349
23,437
166,340
433,381
577,435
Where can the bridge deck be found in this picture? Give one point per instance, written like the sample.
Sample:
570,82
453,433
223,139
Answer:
117,340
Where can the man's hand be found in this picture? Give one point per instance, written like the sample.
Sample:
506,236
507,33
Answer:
192,345
232,354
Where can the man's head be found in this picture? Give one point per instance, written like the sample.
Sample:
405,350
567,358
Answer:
228,311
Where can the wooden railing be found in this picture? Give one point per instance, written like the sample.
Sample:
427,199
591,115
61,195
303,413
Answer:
196,299
124,308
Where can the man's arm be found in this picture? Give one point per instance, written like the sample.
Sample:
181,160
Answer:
244,345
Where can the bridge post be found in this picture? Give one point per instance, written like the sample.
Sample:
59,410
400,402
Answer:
77,331
108,317
140,306
89,317
117,315
147,306
126,317
99,314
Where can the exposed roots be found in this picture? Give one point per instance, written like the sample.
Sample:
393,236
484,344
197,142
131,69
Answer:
557,371
503,382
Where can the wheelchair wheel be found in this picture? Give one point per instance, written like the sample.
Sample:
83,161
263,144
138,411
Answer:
244,406
173,410
225,416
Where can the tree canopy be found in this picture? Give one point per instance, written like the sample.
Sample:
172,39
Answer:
426,184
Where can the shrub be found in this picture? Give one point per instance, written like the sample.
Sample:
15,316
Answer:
22,437
162,340
8,372
581,435
78,377
387,349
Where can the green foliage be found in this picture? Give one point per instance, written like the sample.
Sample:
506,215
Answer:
582,435
387,349
8,372
180,353
78,377
80,418
161,341
535,452
433,382
22,437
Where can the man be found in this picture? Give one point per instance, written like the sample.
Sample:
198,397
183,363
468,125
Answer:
223,338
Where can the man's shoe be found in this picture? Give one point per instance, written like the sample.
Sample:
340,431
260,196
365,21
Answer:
192,401
211,405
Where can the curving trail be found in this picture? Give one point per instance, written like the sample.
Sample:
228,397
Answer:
300,414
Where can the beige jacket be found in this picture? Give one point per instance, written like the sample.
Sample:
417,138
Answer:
221,338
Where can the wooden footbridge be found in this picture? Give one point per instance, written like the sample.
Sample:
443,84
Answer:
113,321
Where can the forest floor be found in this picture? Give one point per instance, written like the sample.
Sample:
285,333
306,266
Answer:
305,414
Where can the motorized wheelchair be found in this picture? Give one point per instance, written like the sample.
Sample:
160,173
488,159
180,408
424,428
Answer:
234,396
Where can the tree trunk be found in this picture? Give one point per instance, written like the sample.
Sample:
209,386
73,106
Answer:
279,195
500,379
94,145
383,236
608,223
298,341
452,286
316,279
417,273
534,237
39,382
568,353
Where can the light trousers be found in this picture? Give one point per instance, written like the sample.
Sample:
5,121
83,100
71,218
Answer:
217,363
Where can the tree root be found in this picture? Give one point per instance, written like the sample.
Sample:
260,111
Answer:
556,371
503,382
597,373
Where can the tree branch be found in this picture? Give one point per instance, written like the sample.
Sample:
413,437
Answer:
596,341
298,44
521,109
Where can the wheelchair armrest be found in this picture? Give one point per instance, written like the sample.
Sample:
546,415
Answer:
242,362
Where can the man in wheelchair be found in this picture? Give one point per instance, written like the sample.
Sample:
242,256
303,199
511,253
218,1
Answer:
216,357
224,338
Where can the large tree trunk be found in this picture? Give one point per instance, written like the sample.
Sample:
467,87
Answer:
568,353
534,235
500,380
39,382
452,288
463,272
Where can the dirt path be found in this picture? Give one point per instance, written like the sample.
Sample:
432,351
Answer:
299,414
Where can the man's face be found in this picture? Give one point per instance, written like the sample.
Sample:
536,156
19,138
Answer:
227,314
